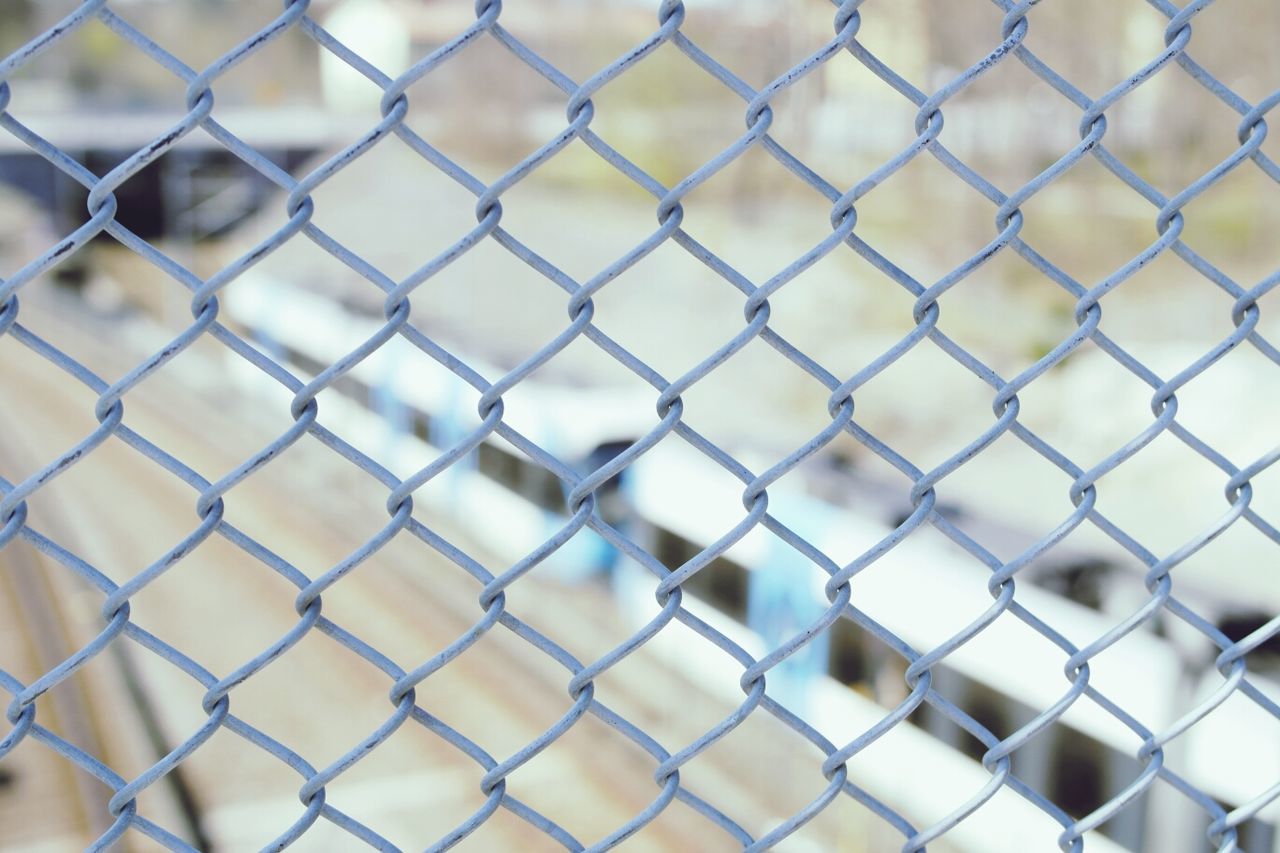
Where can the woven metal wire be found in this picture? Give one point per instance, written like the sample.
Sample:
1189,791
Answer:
669,792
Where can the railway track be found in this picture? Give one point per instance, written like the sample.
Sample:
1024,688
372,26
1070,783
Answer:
46,799
319,699
74,806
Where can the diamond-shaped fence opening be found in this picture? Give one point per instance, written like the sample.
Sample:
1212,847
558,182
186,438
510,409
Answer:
720,426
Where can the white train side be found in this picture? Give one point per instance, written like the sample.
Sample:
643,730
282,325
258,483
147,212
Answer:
675,501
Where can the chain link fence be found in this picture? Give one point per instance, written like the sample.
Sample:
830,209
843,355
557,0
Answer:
632,494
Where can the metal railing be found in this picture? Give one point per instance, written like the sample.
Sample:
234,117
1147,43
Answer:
580,490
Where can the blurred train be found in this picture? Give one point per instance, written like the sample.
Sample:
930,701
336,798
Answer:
674,502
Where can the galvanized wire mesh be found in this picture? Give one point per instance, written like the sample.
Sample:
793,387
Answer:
1240,301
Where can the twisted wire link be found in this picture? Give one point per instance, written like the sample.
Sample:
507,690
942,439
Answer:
929,123
669,208
1245,315
436,352
632,732
21,711
169,653
543,267
1082,486
401,696
581,502
738,282
718,455
209,504
1086,313
600,476
580,506
296,408
110,411
1060,534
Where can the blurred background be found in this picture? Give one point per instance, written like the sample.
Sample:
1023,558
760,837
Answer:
100,98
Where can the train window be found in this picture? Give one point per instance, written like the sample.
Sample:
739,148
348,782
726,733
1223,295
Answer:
542,487
724,585
304,362
420,426
1239,625
497,464
848,654
721,583
1082,581
1077,781
671,550
603,455
990,710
